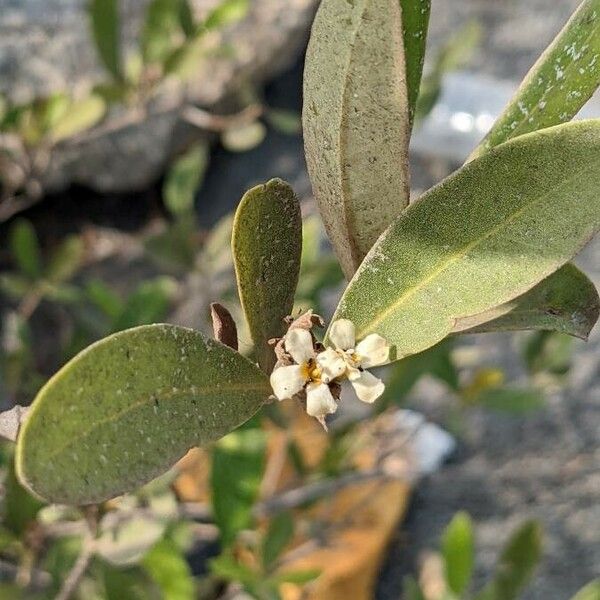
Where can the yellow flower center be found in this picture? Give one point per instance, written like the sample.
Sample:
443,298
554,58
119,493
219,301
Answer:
311,372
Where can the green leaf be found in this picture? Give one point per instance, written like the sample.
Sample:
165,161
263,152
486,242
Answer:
186,18
451,56
82,115
484,236
458,552
515,568
226,13
566,302
559,84
25,248
66,260
244,137
106,30
183,180
238,464
104,299
161,24
168,567
148,304
278,536
296,577
548,352
288,122
590,592
356,122
267,245
126,409
412,590
228,568
510,399
415,23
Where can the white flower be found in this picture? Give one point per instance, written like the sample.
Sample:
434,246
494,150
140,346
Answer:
287,381
351,359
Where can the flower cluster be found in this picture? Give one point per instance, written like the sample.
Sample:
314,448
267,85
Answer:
307,369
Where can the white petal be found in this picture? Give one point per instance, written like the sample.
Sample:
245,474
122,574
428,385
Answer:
299,345
319,401
373,351
332,365
287,381
343,334
367,387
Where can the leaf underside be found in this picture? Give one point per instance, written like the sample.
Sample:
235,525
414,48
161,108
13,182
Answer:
267,246
484,236
127,408
356,122
566,302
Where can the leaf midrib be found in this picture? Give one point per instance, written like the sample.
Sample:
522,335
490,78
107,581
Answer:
463,252
166,395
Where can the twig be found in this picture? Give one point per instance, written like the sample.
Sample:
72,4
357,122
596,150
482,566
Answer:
320,489
219,123
73,579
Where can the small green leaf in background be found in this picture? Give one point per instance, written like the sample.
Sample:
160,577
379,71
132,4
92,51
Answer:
559,84
459,553
119,583
104,299
511,399
590,592
453,55
267,247
288,122
566,302
66,260
106,30
483,237
436,361
238,463
411,589
161,24
356,122
548,352
243,138
226,13
415,24
25,248
82,115
519,559
183,180
277,537
167,566
296,577
126,409
186,18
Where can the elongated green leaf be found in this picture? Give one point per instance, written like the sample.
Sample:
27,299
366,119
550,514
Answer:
106,30
25,248
162,22
66,259
226,13
484,236
168,567
267,245
566,302
278,536
124,410
356,122
238,464
81,115
415,23
459,554
517,563
559,84
183,180
590,592
511,399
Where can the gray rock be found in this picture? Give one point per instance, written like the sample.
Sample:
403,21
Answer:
45,47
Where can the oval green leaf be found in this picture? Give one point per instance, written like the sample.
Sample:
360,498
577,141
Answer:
459,553
566,302
484,236
106,29
127,408
356,122
559,84
82,115
267,245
